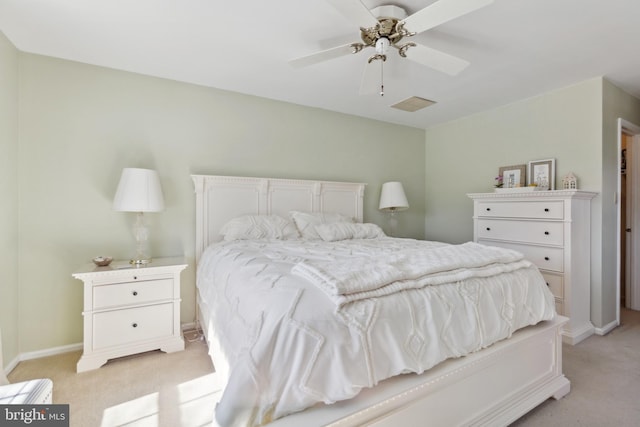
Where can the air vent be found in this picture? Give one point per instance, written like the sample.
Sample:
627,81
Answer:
412,104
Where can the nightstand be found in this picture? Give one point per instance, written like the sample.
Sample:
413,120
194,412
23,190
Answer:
129,309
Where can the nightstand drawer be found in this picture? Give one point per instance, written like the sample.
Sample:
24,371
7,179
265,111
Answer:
130,293
524,209
112,328
545,258
540,232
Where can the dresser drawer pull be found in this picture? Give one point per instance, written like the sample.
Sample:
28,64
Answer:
134,293
135,325
488,228
548,284
135,277
546,233
546,209
488,209
546,258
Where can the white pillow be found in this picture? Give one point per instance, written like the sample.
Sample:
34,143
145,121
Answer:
346,230
306,222
249,227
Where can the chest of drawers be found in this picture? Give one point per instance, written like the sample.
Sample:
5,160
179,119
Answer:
130,310
553,230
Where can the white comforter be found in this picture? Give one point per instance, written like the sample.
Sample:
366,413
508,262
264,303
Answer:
288,330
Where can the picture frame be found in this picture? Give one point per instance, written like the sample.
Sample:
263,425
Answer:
543,174
513,176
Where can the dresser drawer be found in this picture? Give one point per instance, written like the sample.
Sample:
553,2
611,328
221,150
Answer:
130,293
112,328
554,282
560,307
524,209
545,258
539,232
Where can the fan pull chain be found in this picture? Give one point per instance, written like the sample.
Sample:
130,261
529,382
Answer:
381,78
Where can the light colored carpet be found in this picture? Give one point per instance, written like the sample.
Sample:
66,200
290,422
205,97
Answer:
178,389
605,381
149,389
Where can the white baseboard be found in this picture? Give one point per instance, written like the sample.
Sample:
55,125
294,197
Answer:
188,326
607,328
41,353
578,334
63,349
50,351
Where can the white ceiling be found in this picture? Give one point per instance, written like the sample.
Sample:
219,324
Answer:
517,49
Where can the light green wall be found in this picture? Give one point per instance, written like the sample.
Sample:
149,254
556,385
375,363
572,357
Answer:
9,193
463,156
81,124
575,125
78,125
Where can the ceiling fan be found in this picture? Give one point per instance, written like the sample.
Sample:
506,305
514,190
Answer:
389,26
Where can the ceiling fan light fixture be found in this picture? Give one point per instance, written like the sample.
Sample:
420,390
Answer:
413,104
382,45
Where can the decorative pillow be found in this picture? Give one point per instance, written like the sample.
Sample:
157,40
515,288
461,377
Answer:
249,227
346,230
306,222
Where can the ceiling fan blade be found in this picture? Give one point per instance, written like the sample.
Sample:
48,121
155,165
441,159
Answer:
355,11
436,59
323,55
440,12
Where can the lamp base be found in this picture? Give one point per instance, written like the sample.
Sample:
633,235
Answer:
141,233
393,223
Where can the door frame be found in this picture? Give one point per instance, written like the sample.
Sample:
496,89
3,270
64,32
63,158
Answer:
629,128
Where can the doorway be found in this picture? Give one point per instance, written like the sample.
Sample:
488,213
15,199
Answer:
628,291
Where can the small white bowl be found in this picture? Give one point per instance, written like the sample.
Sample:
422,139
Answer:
102,261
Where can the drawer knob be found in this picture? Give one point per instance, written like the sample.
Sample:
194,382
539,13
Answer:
488,228
546,258
135,325
488,209
548,284
134,293
546,209
546,233
135,277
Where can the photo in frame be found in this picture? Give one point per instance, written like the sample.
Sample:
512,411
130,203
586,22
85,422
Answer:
513,176
542,173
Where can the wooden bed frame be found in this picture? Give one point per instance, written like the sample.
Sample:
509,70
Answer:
491,387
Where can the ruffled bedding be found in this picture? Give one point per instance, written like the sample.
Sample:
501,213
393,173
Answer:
297,322
360,277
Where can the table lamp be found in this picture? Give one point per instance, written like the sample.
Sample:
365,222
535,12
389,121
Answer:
139,191
393,199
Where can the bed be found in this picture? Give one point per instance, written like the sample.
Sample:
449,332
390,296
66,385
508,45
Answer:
486,380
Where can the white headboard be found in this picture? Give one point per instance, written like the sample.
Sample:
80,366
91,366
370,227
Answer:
221,198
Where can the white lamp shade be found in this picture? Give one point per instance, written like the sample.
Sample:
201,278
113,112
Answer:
392,197
139,191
